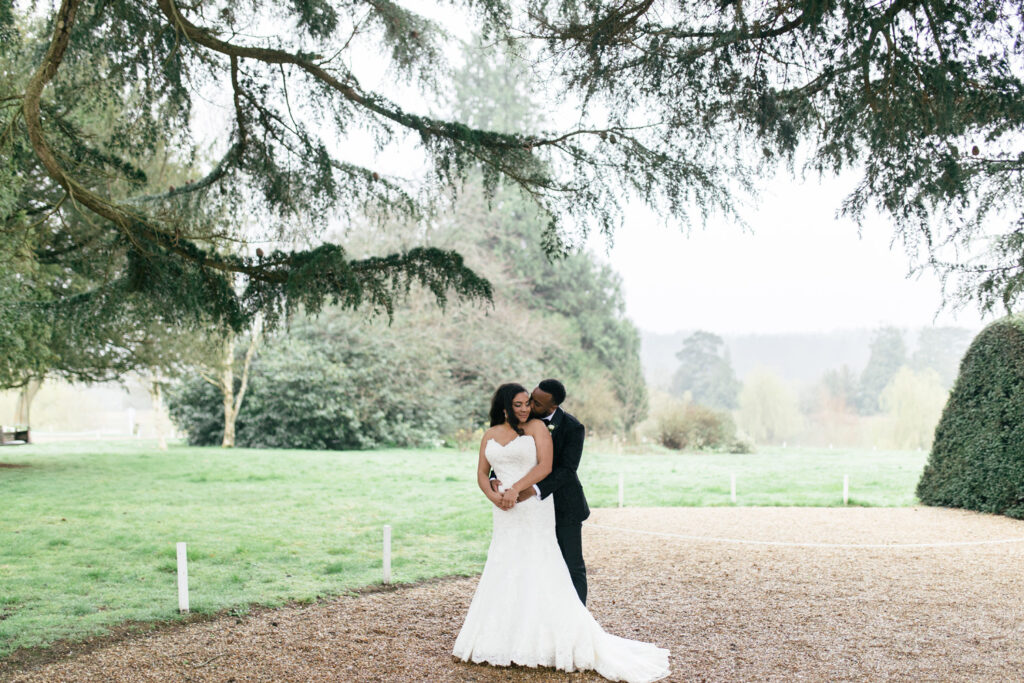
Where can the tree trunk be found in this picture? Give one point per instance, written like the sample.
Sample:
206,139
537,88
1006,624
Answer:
156,394
227,391
233,401
23,415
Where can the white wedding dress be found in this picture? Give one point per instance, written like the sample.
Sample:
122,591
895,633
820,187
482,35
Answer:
525,610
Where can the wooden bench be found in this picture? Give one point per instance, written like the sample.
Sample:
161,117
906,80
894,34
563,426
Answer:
11,436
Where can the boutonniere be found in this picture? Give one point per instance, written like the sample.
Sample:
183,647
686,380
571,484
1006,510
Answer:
551,427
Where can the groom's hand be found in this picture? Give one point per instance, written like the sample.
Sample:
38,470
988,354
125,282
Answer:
495,484
525,493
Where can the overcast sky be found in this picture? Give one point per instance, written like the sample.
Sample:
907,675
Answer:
798,269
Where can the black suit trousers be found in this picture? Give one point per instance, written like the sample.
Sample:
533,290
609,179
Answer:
570,542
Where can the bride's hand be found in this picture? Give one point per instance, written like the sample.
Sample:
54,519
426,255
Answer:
509,499
498,499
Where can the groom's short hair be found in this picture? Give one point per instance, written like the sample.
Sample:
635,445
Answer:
553,387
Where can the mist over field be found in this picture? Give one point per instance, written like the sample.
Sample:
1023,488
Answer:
799,357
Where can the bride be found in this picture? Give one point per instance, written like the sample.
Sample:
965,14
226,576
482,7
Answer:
526,610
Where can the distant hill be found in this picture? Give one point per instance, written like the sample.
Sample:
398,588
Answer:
800,358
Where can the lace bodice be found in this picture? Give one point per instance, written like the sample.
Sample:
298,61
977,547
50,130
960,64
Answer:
512,461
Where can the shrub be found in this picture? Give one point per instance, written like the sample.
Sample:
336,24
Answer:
464,438
691,426
594,403
977,457
326,385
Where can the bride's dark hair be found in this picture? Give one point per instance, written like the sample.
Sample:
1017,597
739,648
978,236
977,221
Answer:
501,405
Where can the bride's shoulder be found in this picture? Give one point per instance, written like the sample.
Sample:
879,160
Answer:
534,427
495,432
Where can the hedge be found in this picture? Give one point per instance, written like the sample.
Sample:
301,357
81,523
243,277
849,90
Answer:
977,457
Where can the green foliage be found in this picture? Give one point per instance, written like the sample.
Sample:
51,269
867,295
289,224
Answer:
977,457
332,384
888,354
682,425
705,372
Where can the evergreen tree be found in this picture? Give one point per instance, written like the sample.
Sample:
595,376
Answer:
888,354
673,96
706,372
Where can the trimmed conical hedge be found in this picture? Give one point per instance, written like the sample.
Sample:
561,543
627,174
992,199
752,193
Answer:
977,458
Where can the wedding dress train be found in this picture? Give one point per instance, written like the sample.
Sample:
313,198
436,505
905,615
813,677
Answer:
525,610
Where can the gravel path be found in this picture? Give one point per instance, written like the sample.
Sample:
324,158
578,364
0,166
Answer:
740,607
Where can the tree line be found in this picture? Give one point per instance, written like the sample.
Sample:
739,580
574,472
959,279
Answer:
895,401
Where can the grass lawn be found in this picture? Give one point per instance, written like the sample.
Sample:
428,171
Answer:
88,531
772,476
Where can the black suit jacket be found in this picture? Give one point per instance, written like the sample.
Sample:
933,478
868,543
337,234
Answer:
567,441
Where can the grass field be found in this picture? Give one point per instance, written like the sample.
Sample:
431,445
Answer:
88,532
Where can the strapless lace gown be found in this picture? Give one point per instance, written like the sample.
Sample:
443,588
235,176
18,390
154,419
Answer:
525,610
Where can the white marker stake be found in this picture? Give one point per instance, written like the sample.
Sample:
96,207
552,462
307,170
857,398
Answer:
732,487
846,489
622,485
182,579
387,553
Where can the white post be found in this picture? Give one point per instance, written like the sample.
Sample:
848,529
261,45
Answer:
846,489
387,553
622,485
732,487
182,579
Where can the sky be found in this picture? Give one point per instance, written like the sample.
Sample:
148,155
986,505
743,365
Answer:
796,268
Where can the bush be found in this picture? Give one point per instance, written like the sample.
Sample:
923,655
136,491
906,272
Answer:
464,439
977,457
691,426
327,385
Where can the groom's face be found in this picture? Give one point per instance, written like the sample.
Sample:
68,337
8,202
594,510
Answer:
542,403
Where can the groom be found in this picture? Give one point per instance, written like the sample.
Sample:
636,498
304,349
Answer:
570,504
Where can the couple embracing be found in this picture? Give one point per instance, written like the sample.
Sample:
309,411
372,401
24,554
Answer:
529,607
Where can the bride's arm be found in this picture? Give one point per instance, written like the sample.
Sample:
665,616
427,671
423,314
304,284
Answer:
483,472
542,438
